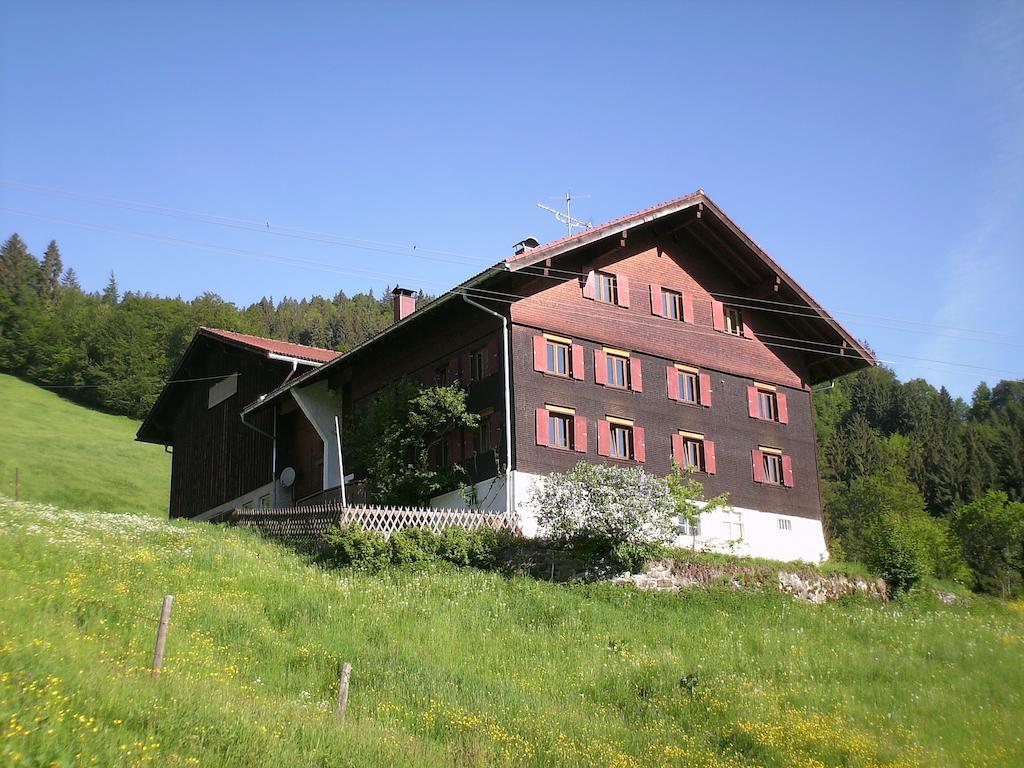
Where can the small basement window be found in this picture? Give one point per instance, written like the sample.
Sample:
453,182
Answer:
785,524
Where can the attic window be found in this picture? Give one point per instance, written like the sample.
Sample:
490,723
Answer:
607,288
222,390
733,320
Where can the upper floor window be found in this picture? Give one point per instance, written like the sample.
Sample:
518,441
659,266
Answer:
559,427
616,368
441,376
772,467
764,401
620,439
693,450
478,365
557,356
688,385
482,434
733,320
671,304
607,288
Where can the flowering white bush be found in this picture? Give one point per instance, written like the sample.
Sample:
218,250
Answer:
622,505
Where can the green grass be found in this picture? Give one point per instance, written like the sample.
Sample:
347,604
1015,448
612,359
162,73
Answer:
75,457
462,667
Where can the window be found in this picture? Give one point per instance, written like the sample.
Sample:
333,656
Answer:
482,435
616,369
733,320
559,427
265,502
249,505
733,525
622,441
478,365
690,449
671,304
688,527
558,358
772,468
689,386
607,288
767,405
785,524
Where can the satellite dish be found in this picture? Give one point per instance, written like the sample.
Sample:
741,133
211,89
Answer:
287,477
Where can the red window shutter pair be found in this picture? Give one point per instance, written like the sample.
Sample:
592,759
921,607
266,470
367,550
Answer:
710,461
579,436
604,440
781,403
704,386
757,458
622,288
635,368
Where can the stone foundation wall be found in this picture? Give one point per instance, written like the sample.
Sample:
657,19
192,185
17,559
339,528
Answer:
810,586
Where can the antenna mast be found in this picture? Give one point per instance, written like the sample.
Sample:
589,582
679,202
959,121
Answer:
567,218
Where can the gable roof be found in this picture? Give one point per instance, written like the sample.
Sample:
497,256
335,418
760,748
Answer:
151,432
273,346
695,204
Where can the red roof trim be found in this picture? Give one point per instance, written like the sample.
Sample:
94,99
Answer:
286,348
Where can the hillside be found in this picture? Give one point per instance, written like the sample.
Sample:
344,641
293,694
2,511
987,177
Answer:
451,667
76,457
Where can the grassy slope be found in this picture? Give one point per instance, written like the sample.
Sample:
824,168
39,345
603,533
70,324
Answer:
72,456
461,667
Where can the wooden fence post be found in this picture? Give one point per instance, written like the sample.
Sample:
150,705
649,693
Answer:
161,634
346,672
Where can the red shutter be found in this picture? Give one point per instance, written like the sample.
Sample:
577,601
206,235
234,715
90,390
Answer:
783,407
752,408
636,375
677,449
540,353
639,444
717,315
705,389
623,291
579,425
787,471
494,355
467,442
590,286
543,433
744,328
757,457
604,437
672,377
656,307
577,362
710,464
600,367
687,308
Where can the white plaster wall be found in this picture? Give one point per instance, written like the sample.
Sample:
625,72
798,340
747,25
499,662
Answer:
490,495
762,536
241,501
321,405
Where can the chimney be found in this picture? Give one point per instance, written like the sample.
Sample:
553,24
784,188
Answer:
525,246
404,302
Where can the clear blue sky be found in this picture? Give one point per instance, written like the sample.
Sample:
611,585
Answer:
876,150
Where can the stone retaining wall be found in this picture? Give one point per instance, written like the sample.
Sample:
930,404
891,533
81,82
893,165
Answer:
810,586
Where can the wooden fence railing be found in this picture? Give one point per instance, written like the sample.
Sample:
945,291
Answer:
310,523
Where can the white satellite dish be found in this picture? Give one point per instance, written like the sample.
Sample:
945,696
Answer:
287,477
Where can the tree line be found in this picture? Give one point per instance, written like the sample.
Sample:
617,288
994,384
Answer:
115,351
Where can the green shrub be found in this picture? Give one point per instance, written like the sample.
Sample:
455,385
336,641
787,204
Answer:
895,553
414,545
353,546
991,530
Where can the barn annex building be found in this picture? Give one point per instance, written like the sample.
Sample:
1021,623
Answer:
668,333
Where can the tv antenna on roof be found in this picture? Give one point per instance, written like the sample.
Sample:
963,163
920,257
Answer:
567,218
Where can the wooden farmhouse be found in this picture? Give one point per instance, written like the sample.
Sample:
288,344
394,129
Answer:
666,334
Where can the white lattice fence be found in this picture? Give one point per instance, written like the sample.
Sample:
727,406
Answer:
312,522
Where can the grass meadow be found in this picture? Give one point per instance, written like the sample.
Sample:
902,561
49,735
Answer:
75,457
462,667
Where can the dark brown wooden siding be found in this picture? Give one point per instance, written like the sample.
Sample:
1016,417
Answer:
217,458
726,422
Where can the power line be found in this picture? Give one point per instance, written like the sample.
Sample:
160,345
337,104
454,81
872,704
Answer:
501,296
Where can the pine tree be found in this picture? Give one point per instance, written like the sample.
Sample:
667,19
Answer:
110,293
18,268
70,280
49,275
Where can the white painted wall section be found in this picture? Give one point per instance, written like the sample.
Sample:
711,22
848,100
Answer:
321,405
